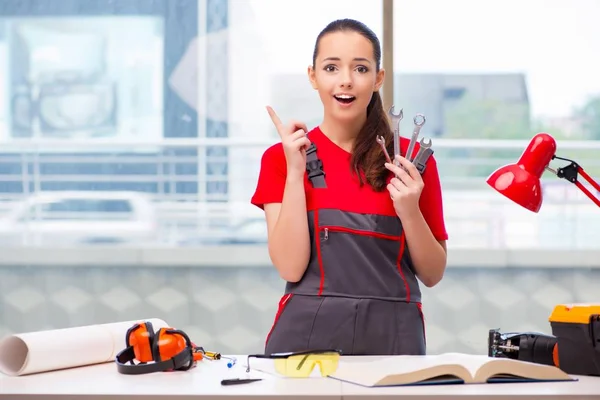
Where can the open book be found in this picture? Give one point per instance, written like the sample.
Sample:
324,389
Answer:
448,368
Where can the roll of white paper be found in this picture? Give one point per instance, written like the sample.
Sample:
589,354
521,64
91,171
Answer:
33,352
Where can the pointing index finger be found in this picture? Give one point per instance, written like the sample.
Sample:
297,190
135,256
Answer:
276,121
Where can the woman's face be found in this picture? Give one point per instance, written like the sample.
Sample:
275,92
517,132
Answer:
345,75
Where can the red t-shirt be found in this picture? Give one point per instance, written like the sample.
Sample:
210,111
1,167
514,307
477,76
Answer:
339,178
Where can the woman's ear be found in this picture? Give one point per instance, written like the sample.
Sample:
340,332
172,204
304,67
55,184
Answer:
311,77
379,79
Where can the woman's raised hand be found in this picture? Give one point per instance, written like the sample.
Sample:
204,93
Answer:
295,143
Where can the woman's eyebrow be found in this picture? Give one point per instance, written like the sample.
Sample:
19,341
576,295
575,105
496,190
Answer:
360,59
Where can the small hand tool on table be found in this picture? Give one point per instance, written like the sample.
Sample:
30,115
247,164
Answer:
238,381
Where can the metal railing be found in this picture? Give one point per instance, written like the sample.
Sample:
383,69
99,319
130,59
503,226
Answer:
173,172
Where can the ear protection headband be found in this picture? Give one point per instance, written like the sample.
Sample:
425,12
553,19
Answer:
167,349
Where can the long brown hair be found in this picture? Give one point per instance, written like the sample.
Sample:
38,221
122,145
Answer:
367,156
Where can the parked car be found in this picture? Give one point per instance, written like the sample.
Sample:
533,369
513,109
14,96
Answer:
249,231
80,217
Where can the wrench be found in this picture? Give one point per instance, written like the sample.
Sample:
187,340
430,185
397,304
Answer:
396,118
381,141
422,163
423,155
424,144
415,135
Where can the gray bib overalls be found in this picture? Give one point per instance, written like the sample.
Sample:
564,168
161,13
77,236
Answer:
359,293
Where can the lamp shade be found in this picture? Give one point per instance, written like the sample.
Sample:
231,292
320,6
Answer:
520,182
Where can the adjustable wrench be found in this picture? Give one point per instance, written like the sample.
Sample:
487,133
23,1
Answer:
423,155
381,141
396,118
415,135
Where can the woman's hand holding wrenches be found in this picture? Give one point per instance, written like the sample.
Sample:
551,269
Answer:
424,152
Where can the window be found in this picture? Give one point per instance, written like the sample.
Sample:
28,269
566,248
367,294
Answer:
488,78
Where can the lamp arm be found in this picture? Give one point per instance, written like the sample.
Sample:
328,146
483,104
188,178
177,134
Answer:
570,172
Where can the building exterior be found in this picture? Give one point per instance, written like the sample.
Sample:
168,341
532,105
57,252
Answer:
211,39
27,95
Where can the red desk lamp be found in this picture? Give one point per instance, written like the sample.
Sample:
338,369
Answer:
572,345
520,182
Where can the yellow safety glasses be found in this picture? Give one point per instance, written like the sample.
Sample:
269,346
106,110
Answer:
301,364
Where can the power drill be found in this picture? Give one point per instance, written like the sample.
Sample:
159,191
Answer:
524,346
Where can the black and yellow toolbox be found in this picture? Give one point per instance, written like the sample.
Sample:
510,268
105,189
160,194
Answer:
577,330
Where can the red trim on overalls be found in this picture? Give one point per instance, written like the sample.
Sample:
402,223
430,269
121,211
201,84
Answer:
377,235
282,302
399,265
420,307
319,258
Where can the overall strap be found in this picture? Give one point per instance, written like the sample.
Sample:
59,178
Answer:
314,167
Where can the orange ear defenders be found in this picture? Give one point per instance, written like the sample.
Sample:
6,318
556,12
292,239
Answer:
165,350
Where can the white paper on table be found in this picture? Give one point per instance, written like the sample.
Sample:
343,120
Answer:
33,352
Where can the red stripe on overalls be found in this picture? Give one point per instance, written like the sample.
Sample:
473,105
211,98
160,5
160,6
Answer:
362,233
420,307
319,259
282,302
399,265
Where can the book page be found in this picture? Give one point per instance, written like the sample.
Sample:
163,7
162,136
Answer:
372,371
405,370
515,369
472,362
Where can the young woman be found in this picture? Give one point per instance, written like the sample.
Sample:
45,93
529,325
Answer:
349,233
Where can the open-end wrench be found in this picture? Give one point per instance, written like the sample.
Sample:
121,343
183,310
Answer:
381,141
419,121
396,118
423,155
424,144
